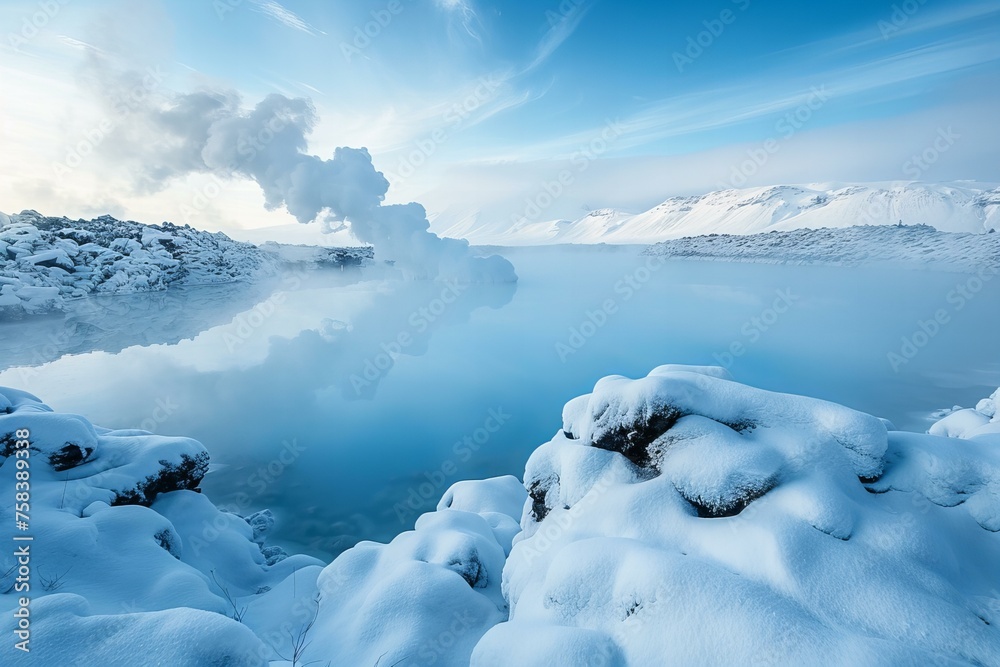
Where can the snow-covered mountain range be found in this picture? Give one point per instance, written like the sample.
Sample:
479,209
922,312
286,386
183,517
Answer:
45,261
953,207
678,518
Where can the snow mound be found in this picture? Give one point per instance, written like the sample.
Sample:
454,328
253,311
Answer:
75,635
683,518
981,422
678,518
120,534
429,595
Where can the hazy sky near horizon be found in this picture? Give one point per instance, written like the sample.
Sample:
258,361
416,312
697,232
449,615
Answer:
468,105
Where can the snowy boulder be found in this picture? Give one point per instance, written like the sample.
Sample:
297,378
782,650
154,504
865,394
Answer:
50,258
68,632
683,518
981,422
124,549
722,444
959,424
427,596
989,406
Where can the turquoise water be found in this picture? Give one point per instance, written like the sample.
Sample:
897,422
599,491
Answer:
347,404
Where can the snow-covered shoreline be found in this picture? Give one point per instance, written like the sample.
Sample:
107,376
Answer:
915,247
677,518
46,262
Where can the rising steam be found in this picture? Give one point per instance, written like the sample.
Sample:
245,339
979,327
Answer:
212,132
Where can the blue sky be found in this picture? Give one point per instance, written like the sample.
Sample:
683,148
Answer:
469,105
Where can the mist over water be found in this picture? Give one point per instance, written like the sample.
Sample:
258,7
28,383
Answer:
349,404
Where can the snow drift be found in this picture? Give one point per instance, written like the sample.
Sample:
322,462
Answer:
683,518
679,518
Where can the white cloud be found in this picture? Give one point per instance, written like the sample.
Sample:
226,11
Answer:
466,14
284,16
562,28
886,77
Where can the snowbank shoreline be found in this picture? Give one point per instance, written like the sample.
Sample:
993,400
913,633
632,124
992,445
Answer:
680,517
906,247
47,262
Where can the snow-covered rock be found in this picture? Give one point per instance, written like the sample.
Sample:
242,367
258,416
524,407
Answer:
45,261
911,246
125,552
428,596
981,422
678,518
318,256
683,518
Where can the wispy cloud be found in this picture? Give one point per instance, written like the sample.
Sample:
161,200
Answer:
286,17
562,27
465,13
884,77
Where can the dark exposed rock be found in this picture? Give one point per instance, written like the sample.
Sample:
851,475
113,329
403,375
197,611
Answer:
537,491
273,555
167,540
69,456
633,440
472,570
171,477
717,509
261,522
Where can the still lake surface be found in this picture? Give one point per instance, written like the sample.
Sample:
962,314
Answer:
342,401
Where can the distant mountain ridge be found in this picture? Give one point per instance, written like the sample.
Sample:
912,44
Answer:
949,207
